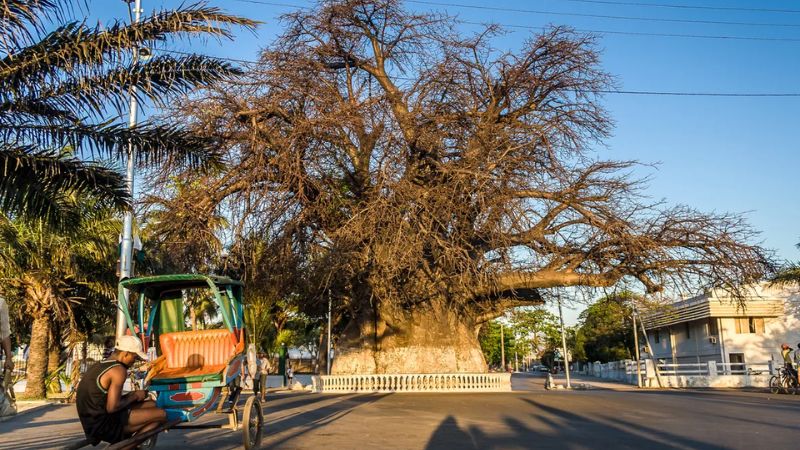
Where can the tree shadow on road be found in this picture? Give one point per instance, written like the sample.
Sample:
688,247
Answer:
24,432
292,425
536,425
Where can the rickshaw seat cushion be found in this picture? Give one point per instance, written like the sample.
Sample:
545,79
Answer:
195,355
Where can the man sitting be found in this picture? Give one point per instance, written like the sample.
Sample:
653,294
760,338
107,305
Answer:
108,415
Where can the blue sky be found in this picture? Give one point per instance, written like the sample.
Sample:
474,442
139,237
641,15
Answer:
714,154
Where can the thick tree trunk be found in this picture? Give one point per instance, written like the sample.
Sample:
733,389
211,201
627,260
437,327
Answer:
435,340
37,358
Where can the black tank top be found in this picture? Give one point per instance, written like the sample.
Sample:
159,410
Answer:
91,397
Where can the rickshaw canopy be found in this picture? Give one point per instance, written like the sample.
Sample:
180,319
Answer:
164,295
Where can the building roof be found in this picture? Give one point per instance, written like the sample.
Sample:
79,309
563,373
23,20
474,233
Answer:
763,301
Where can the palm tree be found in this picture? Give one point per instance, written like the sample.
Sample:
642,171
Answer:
57,272
62,93
790,274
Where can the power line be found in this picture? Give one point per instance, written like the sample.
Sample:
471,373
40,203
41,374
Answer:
602,16
258,2
613,32
665,5
637,33
601,91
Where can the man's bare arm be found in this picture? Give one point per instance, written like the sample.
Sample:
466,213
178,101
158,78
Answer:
9,364
116,379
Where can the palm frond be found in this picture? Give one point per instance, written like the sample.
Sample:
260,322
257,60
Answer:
154,143
55,89
34,109
80,50
156,80
57,177
789,275
17,17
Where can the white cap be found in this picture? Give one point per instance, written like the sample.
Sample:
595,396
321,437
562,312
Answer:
130,344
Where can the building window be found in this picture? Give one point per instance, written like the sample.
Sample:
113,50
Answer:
741,325
657,336
754,325
712,327
737,363
757,325
688,330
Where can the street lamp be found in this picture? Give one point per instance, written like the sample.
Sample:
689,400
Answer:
126,249
564,343
328,357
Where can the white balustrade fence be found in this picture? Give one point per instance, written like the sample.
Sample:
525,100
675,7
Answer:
707,374
440,382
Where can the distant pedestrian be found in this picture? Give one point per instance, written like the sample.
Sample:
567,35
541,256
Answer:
289,374
251,367
108,346
264,368
788,363
797,356
7,404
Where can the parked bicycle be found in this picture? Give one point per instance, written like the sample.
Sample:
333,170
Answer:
784,383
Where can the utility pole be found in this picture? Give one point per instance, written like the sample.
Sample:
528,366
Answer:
650,351
328,358
502,348
636,346
126,249
564,343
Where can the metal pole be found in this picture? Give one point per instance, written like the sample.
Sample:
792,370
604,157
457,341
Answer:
636,345
650,352
328,358
126,250
502,348
564,344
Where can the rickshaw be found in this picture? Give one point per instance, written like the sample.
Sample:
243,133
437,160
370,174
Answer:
194,371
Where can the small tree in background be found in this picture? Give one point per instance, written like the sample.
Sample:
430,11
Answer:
606,328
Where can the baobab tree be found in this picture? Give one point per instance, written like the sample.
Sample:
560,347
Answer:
430,182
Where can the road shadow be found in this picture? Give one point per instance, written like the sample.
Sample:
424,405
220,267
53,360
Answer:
536,425
26,431
331,408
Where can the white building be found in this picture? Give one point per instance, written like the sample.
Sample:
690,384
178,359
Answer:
715,327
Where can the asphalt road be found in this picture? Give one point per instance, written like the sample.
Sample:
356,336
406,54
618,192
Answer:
533,418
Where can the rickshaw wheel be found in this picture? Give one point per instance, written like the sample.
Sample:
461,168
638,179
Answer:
252,422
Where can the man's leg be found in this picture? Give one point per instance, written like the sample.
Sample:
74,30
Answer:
145,417
144,429
263,390
144,404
